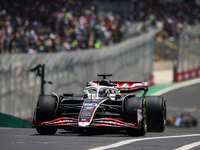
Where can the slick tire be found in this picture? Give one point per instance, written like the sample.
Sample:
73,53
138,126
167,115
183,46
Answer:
46,111
131,106
156,113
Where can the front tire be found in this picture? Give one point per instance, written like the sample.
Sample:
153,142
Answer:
131,107
46,111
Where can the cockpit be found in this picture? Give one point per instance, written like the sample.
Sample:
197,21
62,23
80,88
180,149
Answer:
101,91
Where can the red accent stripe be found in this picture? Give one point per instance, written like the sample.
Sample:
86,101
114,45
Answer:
107,125
57,119
121,121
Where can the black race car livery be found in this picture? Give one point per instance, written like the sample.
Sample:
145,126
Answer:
106,104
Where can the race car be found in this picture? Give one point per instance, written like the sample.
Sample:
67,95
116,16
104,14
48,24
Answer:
104,104
183,119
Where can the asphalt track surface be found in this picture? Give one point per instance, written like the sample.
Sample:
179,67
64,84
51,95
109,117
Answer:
183,99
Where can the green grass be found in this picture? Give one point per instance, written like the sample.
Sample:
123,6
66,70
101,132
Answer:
14,122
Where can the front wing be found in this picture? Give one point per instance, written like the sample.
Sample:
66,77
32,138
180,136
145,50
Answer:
100,122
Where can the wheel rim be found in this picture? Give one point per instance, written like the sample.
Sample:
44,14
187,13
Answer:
164,113
144,118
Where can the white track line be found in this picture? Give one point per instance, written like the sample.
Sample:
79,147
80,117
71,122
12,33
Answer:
125,142
177,86
189,146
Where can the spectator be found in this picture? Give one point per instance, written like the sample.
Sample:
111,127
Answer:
51,26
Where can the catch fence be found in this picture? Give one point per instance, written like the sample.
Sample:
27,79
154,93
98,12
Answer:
188,64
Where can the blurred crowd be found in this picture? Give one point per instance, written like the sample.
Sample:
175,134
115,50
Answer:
172,17
38,26
57,25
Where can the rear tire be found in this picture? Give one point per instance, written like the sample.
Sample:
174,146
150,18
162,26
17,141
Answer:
156,113
46,111
131,107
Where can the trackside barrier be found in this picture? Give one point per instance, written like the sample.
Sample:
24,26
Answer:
186,75
131,60
188,65
14,122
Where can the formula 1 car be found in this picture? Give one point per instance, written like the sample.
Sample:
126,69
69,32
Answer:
105,104
182,119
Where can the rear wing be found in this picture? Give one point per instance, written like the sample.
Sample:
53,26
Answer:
126,87
122,84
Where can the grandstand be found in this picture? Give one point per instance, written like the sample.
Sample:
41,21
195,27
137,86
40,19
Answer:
28,26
